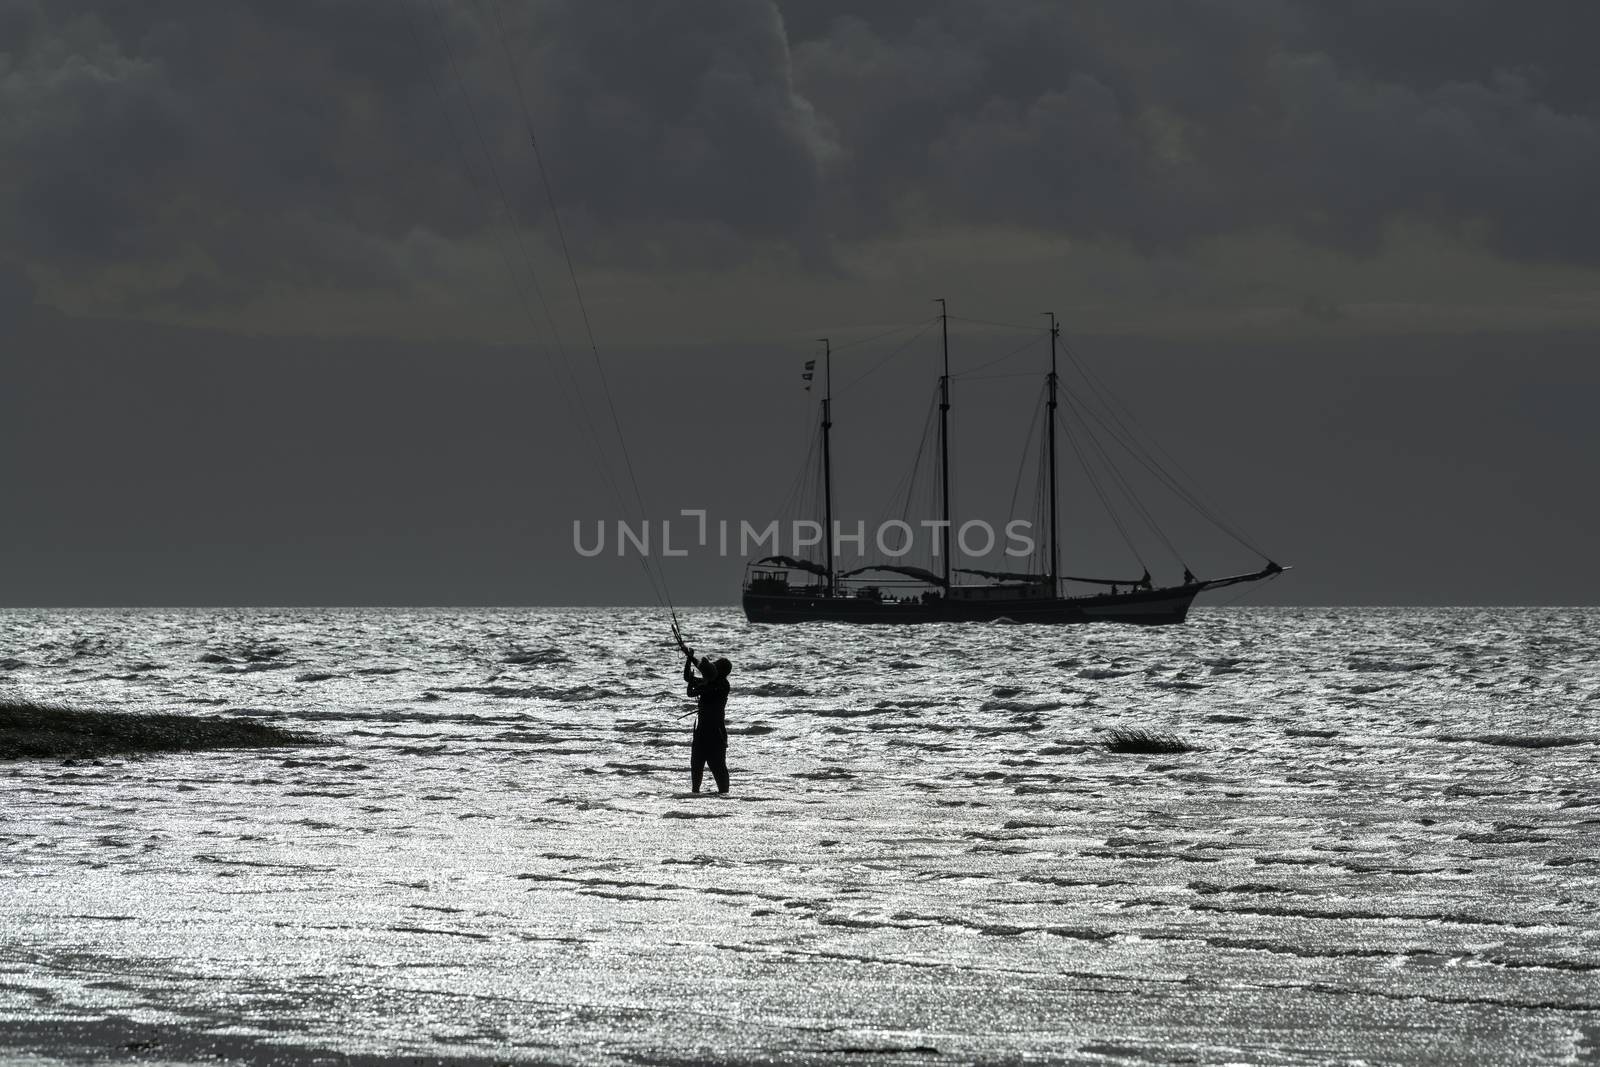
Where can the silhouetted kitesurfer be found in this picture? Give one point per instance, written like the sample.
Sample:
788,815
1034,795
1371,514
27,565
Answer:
710,728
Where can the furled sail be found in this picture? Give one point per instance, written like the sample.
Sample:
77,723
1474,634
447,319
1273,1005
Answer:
797,564
910,572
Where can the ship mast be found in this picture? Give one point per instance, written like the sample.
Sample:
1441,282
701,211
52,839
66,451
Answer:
944,441
1055,550
827,458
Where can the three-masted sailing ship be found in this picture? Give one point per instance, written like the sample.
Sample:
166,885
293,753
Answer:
791,589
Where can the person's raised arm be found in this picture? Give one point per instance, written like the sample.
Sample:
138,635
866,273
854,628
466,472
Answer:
694,684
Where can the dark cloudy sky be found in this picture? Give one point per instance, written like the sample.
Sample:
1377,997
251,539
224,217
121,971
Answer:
261,342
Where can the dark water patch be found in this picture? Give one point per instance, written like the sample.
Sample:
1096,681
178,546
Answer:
692,861
696,814
1309,731
402,715
611,894
990,929
1227,717
1246,888
116,1038
438,932
33,731
1073,883
1358,915
1284,948
573,694
1019,728
1290,861
778,689
1144,742
379,670
536,657
1365,688
852,922
245,652
847,713
7,663
1373,664
635,769
234,861
1517,740
538,742
1504,837
315,676
826,774
1095,674
1021,705
1511,963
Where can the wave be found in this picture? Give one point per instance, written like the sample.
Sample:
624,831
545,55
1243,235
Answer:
573,694
536,657
1021,705
1362,663
777,689
1517,740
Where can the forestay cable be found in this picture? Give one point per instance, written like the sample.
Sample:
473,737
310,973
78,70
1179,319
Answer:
654,576
577,289
569,383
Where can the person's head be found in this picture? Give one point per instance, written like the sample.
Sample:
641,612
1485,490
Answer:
724,668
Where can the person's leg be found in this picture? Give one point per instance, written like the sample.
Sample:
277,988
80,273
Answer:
719,768
697,763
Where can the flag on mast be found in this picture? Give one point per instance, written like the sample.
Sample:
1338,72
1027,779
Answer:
809,373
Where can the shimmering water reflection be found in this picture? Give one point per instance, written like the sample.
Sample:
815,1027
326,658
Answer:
926,856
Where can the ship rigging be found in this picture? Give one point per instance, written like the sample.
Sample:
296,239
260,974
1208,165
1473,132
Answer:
797,589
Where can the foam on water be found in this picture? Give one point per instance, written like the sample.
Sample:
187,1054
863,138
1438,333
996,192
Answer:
1384,849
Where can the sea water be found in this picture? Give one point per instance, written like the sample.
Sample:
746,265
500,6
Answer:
1383,850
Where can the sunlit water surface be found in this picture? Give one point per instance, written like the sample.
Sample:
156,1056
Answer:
927,855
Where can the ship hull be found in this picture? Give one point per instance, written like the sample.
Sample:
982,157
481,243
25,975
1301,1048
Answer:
1154,607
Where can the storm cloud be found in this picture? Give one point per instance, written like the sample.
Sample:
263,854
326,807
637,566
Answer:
270,271
185,155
